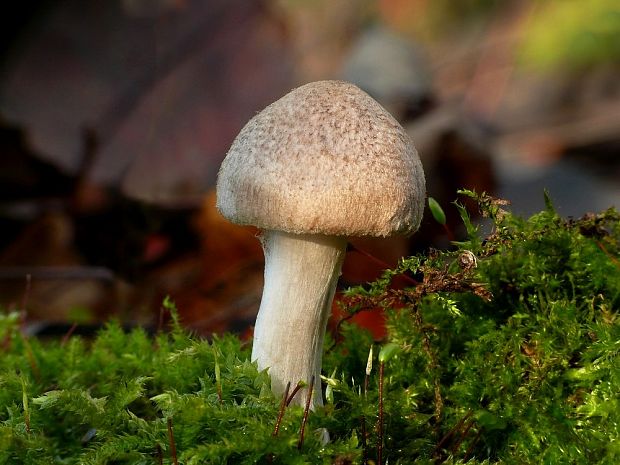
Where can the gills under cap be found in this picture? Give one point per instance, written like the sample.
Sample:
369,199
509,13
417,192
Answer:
324,159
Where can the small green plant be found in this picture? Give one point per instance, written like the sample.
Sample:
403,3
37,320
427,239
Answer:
440,216
505,350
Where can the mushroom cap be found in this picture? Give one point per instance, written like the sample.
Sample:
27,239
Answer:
324,159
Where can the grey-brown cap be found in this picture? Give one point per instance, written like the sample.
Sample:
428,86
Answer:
327,159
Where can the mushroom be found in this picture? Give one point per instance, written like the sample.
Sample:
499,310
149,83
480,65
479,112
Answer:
323,163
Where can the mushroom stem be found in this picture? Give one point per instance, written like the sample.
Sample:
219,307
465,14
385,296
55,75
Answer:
301,272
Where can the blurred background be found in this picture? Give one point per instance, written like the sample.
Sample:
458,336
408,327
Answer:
115,116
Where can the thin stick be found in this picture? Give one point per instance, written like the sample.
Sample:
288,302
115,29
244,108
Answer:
380,421
426,344
160,454
68,334
218,382
380,262
451,434
294,393
470,449
363,418
23,316
26,406
173,447
463,434
218,375
449,232
611,257
282,408
34,366
364,449
305,418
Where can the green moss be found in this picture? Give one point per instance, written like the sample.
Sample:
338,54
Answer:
506,351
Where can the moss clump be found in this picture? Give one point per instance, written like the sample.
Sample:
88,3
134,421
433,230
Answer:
507,350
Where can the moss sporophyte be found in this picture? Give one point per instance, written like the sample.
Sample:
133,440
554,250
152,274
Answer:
505,350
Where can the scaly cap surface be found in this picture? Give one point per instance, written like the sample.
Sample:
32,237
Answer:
327,159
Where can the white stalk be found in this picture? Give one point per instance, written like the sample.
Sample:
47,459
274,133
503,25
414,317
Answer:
301,272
